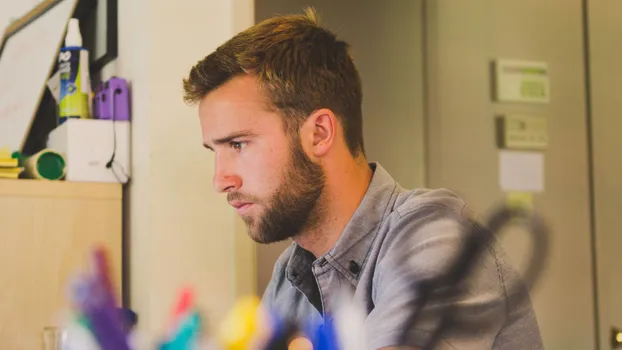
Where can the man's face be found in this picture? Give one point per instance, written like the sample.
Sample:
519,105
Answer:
268,177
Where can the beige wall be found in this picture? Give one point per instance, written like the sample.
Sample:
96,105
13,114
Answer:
391,71
463,37
605,37
180,230
11,10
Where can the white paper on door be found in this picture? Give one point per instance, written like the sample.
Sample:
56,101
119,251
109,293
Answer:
521,171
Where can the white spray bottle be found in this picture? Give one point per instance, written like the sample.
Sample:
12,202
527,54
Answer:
75,81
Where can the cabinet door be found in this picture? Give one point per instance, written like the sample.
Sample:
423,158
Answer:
605,53
463,38
47,231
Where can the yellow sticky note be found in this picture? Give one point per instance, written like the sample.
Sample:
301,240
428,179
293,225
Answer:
520,199
5,152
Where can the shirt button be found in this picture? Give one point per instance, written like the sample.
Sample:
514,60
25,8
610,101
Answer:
354,267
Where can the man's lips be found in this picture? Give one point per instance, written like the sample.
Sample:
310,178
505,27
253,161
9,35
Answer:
240,206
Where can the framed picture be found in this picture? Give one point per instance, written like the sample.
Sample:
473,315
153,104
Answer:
99,27
28,54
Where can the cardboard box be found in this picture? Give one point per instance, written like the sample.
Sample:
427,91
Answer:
89,145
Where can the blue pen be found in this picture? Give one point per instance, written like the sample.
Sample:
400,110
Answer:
325,336
282,332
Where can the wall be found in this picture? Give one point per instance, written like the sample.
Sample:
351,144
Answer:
463,37
387,45
14,9
180,231
605,55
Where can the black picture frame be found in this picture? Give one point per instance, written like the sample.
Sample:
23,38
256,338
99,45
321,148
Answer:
86,12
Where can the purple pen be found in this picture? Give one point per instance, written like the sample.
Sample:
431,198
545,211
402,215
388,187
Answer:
101,311
106,329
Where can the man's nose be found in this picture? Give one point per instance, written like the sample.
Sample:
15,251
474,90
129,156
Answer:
225,180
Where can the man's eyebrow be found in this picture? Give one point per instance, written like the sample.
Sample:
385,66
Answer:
230,137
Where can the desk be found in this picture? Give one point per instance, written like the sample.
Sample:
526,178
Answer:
47,229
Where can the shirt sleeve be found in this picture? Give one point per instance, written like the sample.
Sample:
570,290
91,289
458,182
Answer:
424,249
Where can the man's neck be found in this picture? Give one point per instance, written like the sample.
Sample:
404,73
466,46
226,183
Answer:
344,190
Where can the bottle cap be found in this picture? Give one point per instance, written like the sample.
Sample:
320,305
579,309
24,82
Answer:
73,38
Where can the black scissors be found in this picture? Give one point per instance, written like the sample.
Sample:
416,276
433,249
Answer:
478,238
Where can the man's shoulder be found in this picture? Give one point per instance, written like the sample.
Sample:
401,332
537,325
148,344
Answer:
419,215
427,232
410,202
422,238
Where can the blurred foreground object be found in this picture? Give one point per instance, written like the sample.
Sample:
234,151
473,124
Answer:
53,338
447,287
96,309
98,324
616,338
9,164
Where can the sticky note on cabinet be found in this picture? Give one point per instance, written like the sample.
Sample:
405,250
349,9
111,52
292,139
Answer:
521,171
520,200
521,132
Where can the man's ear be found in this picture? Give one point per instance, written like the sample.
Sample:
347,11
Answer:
318,132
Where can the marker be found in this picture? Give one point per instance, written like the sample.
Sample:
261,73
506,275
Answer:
187,335
281,332
325,336
182,308
349,320
300,343
245,326
99,307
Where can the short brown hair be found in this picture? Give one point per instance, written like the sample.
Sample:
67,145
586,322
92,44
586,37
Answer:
302,66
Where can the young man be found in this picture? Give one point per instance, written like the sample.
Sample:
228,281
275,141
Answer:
280,107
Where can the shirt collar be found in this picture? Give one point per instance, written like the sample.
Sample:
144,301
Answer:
349,254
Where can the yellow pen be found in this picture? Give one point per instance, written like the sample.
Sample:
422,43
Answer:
246,326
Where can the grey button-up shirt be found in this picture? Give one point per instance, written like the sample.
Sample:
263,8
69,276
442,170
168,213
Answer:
395,238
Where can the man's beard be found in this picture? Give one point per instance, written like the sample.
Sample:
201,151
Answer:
294,207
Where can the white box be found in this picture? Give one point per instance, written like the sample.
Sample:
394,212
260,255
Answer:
88,146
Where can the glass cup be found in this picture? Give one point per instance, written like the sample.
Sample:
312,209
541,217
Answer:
53,338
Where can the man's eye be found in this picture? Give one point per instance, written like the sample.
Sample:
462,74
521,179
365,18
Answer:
238,146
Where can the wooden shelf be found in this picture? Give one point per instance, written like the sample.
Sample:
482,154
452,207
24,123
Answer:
60,189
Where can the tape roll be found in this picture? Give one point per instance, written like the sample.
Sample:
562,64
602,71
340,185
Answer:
47,164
